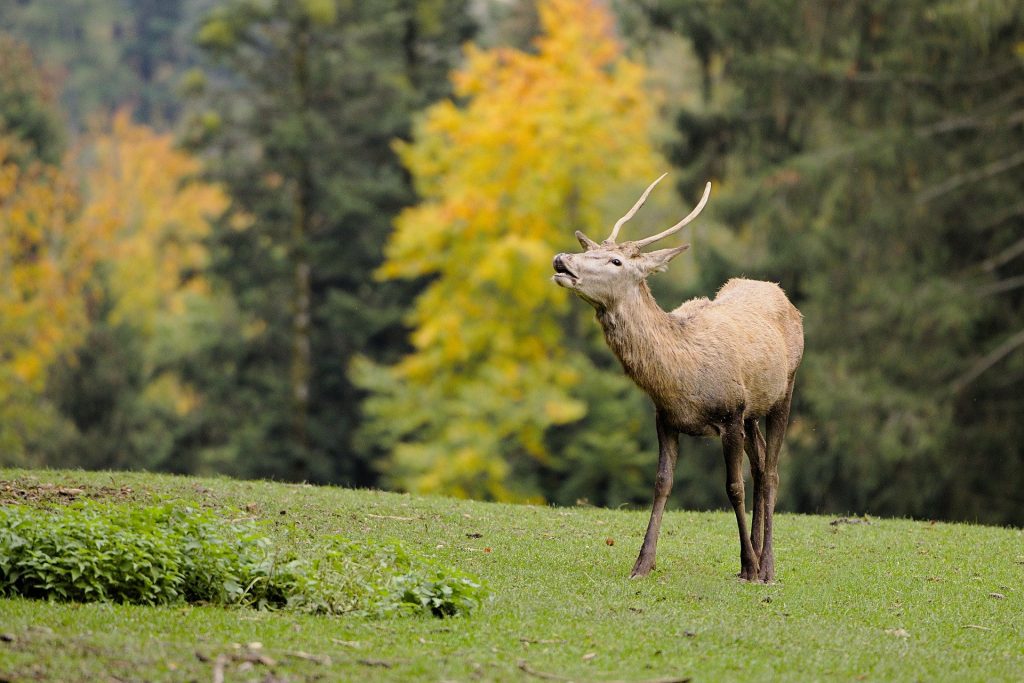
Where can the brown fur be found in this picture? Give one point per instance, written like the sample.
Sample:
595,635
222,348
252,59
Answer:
711,367
708,359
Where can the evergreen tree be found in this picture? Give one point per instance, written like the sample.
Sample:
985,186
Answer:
299,109
28,117
103,55
869,157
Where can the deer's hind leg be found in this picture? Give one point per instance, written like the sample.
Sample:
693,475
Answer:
732,449
754,445
776,423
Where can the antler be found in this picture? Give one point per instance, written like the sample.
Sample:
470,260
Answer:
632,212
675,228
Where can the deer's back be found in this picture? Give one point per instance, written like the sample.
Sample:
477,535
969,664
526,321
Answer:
765,308
744,345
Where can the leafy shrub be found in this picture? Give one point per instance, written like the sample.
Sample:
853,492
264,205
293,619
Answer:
380,579
166,554
142,555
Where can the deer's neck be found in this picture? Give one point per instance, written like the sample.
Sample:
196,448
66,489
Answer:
645,339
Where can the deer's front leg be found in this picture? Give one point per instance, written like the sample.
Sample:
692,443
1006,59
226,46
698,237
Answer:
732,448
668,451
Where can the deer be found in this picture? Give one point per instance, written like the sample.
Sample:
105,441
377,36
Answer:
712,367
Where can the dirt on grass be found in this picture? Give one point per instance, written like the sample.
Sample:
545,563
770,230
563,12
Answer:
27,492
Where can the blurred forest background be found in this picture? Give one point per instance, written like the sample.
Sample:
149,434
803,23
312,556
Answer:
311,239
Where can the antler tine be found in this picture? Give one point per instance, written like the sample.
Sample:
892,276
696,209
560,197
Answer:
678,226
632,212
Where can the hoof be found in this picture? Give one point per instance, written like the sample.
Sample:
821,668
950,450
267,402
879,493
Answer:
641,570
754,579
750,574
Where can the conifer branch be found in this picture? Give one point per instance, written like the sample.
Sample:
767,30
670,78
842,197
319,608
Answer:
961,179
987,361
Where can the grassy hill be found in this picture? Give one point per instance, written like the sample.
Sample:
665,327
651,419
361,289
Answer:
856,599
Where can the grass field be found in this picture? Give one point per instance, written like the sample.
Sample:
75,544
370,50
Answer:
876,600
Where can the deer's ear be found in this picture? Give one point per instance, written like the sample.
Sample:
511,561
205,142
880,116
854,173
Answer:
586,242
657,261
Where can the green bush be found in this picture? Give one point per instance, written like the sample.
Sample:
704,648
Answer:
142,555
381,579
170,554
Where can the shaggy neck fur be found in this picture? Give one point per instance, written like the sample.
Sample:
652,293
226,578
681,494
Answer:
641,335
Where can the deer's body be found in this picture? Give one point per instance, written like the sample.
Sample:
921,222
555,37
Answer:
708,359
711,367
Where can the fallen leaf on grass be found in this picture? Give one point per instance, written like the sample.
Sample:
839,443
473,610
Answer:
609,541
898,632
590,655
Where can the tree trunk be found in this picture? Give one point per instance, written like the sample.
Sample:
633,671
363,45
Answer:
302,361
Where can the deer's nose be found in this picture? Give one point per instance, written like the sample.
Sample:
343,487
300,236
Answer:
561,267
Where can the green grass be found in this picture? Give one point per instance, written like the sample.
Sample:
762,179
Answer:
891,600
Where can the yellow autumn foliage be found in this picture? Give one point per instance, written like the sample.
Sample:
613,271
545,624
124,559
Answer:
129,224
44,263
149,210
524,154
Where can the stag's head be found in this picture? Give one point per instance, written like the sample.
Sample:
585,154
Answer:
605,272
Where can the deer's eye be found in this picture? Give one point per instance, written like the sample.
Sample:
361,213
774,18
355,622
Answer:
616,262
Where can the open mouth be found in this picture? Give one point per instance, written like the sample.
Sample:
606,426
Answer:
563,275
